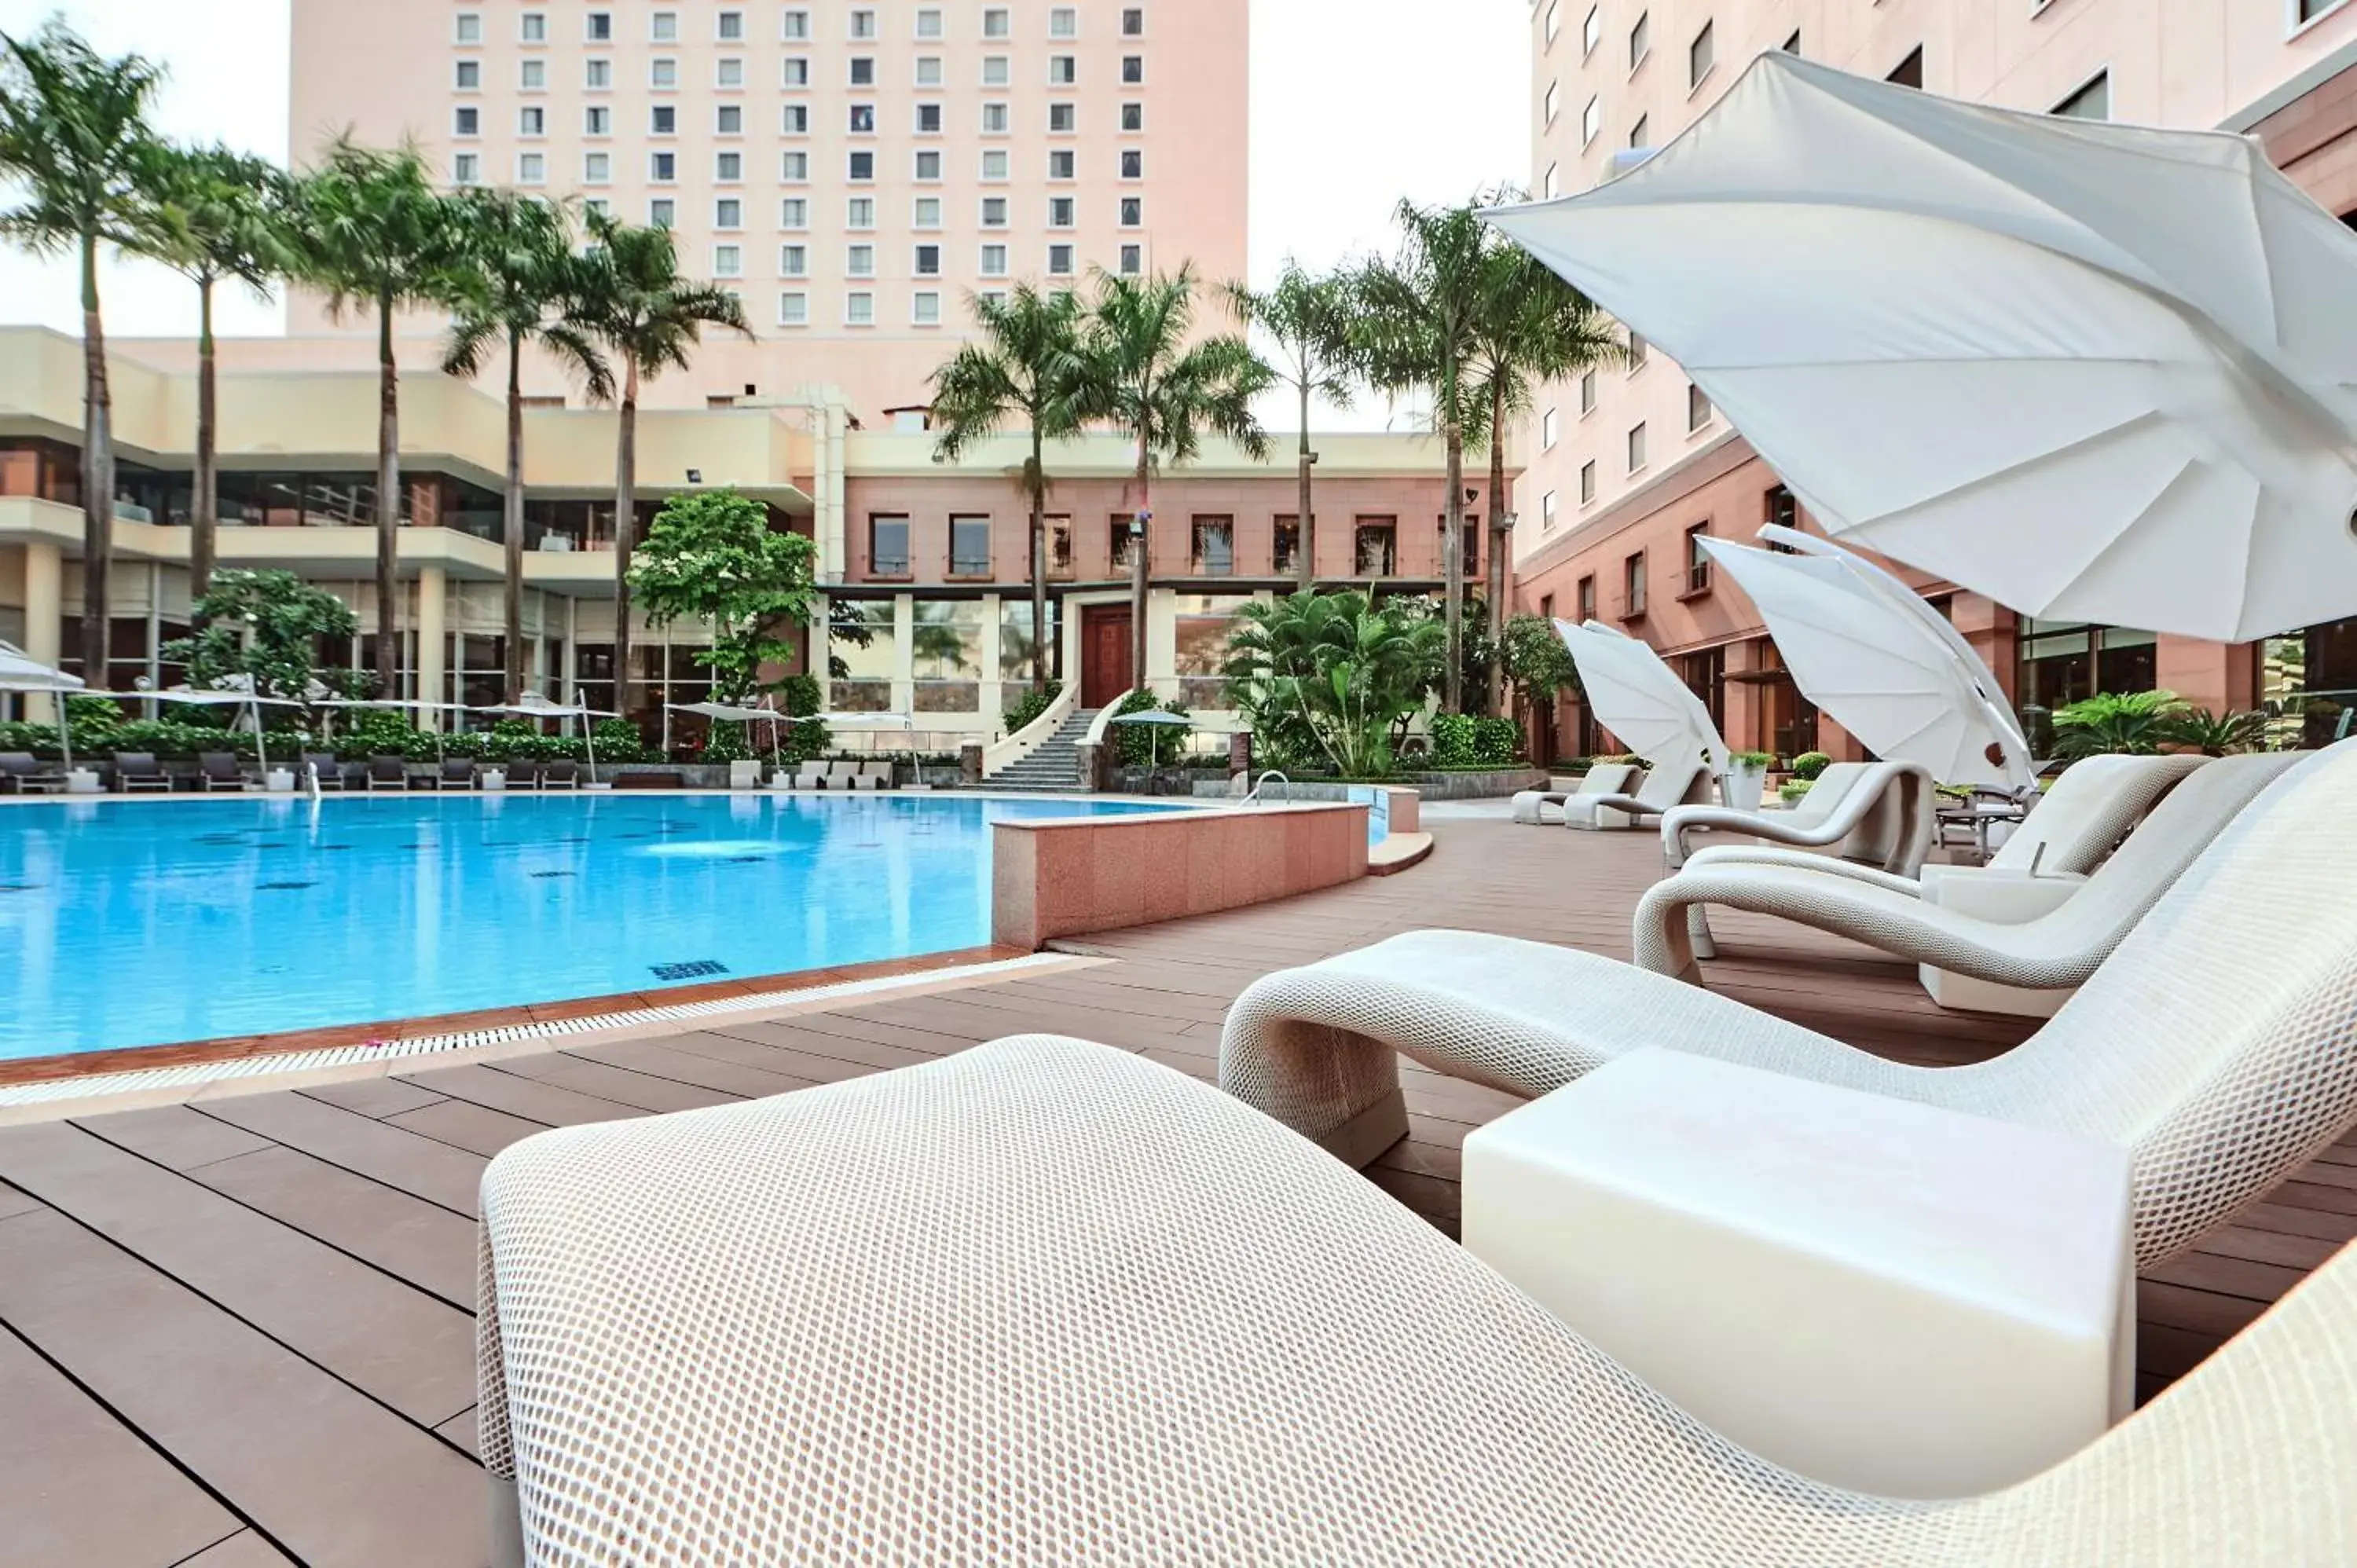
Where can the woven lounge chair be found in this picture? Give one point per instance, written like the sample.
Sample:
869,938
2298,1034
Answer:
809,776
26,775
2057,949
386,772
1667,785
139,770
1045,1302
1545,807
458,773
2216,1044
560,775
220,770
325,767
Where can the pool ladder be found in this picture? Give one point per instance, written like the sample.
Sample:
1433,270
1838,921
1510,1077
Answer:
1252,797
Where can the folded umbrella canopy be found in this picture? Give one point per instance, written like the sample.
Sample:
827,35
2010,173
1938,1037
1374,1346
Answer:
2097,372
1874,664
20,671
1642,700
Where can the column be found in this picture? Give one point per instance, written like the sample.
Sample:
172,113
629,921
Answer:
2220,676
433,676
904,653
993,707
821,656
45,609
1160,675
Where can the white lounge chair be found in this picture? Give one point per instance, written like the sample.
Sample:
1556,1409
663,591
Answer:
1545,807
873,776
1045,1302
2058,949
842,775
1665,785
2215,1043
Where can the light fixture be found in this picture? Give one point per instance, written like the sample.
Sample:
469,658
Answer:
695,475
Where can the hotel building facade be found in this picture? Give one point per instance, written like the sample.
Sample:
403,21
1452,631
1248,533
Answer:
1627,467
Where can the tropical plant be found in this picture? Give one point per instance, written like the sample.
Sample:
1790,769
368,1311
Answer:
261,631
1143,745
1468,740
650,313
214,216
1809,765
1760,759
1535,661
1146,373
2214,734
1792,791
74,140
373,234
2136,723
1027,366
516,283
1310,319
1332,680
711,555
1022,712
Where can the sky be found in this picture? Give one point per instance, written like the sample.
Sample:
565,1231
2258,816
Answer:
1355,103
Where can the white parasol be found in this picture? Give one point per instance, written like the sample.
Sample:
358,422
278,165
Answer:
1642,700
20,671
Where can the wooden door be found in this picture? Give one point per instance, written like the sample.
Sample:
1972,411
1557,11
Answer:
1104,654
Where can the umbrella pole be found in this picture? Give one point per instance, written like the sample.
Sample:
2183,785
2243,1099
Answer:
589,739
65,729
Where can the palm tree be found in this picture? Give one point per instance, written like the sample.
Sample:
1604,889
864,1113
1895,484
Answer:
1533,328
374,235
1146,376
74,135
1027,366
214,216
518,285
650,313
1310,319
1419,325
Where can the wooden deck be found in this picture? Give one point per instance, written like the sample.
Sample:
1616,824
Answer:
240,1332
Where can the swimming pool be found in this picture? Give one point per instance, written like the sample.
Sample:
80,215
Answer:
129,924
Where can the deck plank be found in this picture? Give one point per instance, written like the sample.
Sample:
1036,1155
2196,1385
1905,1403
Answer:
551,1105
407,1237
174,1137
402,1160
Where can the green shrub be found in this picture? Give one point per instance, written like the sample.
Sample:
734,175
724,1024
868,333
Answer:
2136,724
1792,790
1496,742
1031,705
1455,740
1809,764
1752,758
1139,745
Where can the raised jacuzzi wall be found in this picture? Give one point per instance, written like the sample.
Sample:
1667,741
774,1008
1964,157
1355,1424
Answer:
1053,877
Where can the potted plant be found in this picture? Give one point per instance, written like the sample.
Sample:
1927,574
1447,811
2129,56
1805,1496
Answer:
1747,779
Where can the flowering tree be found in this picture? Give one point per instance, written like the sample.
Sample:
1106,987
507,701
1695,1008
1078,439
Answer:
711,555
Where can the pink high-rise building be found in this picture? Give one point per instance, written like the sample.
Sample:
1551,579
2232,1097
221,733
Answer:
856,172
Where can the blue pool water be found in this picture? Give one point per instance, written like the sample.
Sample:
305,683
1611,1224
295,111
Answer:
124,924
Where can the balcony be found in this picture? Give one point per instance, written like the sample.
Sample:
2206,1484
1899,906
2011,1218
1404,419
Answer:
1630,605
1697,583
969,568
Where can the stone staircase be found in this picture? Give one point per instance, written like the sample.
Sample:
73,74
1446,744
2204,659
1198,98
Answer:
1055,768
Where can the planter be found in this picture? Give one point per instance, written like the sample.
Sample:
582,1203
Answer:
279,780
1742,785
492,779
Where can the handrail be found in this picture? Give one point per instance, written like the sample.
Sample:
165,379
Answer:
1003,754
1253,793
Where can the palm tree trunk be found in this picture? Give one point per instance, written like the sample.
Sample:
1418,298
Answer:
1452,562
97,478
1141,551
388,506
1305,530
205,507
626,528
512,519
1495,579
1039,488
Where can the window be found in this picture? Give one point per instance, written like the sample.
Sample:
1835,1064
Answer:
794,212
2306,11
1588,392
994,23
467,168
1133,211
796,120
663,73
994,119
994,261
532,26
927,263
797,72
598,75
662,168
1910,71
863,70
859,260
1059,212
925,308
1591,121
1782,510
466,121
1551,185
467,28
859,212
1546,512
532,168
1214,546
664,27
2093,101
1132,260
1059,260
793,261
1133,70
993,70
1551,104
1588,482
728,213
1591,31
969,546
929,165
1132,164
1698,408
993,166
1063,71
1547,432
662,120
728,73
1062,118
1698,58
1133,116
1063,22
793,309
1122,538
1793,44
1636,446
1060,164
862,167
1133,22
928,74
467,76
1698,559
927,213
597,121
887,543
1632,585
729,120
596,207
660,212
859,310
1639,351
1554,19
1641,39
994,212
1640,131
1584,599
597,169
1373,547
727,260
929,23
863,119
796,28
862,24
728,167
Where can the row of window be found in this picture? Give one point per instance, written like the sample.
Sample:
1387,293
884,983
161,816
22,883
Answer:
859,212
728,169
1211,547
1699,414
793,24
925,262
729,73
729,120
1695,574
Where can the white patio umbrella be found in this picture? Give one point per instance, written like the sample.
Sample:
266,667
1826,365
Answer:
875,722
1874,665
223,697
20,671
1642,700
532,705
2097,372
724,712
